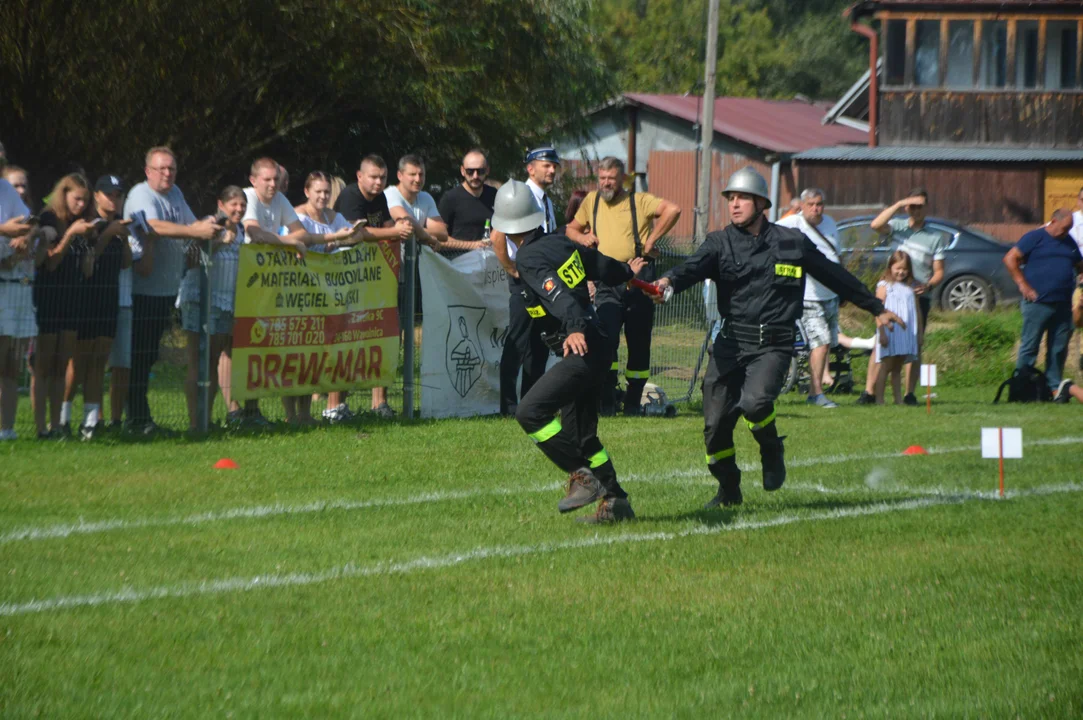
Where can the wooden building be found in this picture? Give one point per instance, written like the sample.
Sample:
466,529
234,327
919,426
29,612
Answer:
658,135
979,102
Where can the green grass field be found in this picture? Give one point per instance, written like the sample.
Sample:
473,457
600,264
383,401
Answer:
398,569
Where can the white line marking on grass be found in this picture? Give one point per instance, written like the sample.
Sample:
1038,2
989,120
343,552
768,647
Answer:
81,527
437,562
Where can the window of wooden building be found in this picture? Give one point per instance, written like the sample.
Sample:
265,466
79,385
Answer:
971,52
960,70
1061,53
993,65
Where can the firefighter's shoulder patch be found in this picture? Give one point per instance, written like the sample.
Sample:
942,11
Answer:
549,285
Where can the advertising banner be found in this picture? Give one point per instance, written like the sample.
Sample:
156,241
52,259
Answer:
325,322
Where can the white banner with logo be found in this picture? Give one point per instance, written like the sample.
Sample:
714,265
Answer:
465,310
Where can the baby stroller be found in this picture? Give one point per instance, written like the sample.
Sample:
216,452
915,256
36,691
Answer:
838,366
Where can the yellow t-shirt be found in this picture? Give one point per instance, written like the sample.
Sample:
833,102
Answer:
614,230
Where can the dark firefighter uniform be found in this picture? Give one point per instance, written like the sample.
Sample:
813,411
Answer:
761,283
560,412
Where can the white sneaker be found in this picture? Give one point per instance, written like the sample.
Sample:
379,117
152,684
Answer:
8,435
338,414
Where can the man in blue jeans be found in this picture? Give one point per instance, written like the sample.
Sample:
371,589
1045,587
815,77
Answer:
1044,264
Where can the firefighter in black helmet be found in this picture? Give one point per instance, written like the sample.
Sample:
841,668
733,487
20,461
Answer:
760,269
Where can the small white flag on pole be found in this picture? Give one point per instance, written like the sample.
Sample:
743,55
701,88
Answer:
992,447
928,375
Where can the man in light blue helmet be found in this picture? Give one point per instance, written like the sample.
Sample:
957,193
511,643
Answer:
560,412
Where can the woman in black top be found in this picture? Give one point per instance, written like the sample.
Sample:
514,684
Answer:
104,252
56,297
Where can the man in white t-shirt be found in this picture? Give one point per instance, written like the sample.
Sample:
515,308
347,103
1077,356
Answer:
409,203
269,210
821,312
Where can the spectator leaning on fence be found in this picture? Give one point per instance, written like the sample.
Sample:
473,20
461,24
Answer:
57,296
467,208
106,253
365,200
159,265
410,205
19,251
821,305
270,211
927,249
1052,260
624,224
320,220
523,347
224,250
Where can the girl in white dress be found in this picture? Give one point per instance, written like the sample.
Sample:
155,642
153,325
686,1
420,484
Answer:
897,345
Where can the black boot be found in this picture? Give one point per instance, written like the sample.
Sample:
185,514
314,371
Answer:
772,455
610,395
729,485
633,397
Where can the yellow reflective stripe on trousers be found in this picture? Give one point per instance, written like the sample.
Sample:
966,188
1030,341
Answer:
721,455
615,366
598,459
762,423
637,374
546,432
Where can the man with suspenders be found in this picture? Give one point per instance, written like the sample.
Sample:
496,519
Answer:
615,221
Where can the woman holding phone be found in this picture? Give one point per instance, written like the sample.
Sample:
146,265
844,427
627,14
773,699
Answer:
104,253
319,219
57,289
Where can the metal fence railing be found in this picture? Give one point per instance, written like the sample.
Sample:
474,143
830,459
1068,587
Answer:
80,348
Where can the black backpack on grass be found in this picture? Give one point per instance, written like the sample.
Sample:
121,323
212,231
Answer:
1026,385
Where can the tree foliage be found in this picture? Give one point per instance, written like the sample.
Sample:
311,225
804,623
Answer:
766,48
315,85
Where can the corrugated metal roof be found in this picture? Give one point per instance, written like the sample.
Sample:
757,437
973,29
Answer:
923,153
782,126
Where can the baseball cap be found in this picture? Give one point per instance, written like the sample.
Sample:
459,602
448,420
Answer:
108,184
546,152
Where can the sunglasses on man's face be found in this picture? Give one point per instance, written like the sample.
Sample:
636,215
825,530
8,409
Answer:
476,171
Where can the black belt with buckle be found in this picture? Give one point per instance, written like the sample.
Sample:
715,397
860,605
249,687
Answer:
758,334
554,341
16,281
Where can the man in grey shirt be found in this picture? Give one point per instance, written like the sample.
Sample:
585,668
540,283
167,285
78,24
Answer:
159,266
927,249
